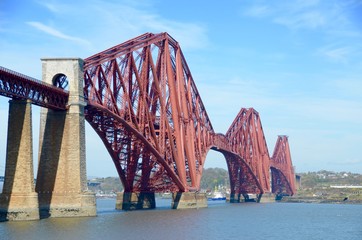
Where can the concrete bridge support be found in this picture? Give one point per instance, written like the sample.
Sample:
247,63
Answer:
62,180
135,201
19,200
259,198
233,197
185,200
268,198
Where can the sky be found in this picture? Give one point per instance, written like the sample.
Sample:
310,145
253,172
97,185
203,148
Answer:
297,62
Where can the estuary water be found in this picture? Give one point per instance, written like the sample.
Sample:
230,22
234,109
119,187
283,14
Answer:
219,221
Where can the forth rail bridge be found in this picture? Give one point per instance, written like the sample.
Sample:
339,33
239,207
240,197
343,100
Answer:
142,101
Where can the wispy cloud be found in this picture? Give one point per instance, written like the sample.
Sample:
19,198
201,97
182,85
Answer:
308,19
191,36
138,20
336,54
258,11
49,6
56,33
122,20
304,14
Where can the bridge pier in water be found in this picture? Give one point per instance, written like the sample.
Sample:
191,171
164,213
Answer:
186,200
259,198
135,201
62,180
239,198
146,200
268,198
233,197
19,200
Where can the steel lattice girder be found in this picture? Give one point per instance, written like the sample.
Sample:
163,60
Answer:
138,165
144,104
147,83
19,86
281,165
280,183
246,139
242,178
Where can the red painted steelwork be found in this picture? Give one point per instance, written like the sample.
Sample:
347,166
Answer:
19,86
251,158
144,104
283,177
242,178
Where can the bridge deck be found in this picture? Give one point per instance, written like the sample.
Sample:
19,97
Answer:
19,86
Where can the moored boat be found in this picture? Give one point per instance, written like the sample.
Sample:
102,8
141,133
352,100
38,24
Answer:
218,196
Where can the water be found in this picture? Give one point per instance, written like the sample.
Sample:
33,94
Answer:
219,221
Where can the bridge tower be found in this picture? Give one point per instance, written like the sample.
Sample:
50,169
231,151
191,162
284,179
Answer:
62,179
19,200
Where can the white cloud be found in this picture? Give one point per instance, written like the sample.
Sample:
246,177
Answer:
49,6
309,19
258,11
336,54
135,21
56,33
305,14
105,24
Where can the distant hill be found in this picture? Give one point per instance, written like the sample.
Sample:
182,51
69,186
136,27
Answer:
325,178
213,178
328,187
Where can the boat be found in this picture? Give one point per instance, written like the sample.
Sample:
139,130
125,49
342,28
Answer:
166,195
218,196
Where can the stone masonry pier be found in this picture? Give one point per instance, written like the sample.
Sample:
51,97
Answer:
62,179
19,200
61,182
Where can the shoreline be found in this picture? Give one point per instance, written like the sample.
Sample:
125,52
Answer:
319,200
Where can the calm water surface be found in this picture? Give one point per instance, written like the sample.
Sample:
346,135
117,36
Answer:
219,221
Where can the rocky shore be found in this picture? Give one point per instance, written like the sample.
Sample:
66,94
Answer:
334,200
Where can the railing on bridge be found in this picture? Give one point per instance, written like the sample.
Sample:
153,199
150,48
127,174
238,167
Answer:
19,86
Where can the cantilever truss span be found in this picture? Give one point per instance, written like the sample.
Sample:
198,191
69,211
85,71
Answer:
143,103
283,178
246,139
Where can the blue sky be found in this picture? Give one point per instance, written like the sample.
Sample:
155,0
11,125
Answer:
298,63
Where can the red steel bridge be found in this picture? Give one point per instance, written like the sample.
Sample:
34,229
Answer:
142,101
